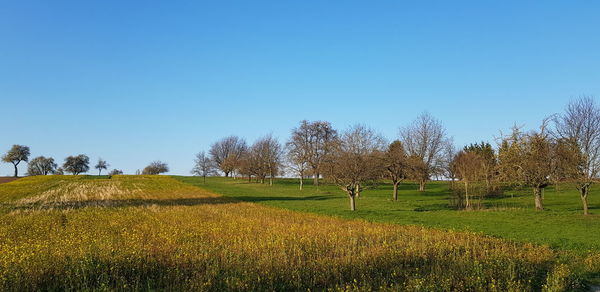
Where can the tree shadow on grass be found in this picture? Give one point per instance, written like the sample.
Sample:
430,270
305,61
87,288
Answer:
433,207
263,199
71,205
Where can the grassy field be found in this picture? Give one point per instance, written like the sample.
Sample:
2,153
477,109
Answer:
157,233
511,216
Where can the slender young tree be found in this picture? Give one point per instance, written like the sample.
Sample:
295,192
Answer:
489,162
102,164
204,166
469,168
15,155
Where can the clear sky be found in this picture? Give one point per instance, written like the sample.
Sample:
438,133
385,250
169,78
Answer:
137,81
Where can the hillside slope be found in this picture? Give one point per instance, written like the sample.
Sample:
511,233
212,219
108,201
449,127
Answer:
154,232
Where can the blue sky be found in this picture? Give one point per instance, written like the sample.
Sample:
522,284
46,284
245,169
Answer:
137,81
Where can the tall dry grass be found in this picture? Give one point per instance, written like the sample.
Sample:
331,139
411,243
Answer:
154,233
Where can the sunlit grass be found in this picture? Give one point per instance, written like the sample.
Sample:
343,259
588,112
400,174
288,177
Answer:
510,216
154,232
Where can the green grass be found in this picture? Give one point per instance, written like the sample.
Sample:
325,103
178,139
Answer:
155,233
511,216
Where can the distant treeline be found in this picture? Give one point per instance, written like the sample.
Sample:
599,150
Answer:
565,148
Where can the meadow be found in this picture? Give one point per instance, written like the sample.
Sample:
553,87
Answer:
158,233
510,215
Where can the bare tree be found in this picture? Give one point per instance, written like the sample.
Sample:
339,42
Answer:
354,160
396,164
581,123
489,162
41,166
248,164
115,172
204,166
156,167
449,169
469,168
15,155
77,164
227,152
102,164
535,160
298,151
425,141
267,158
316,140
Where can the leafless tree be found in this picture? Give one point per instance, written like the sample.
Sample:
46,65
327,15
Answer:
469,167
77,164
580,122
488,160
115,172
41,166
204,166
298,167
227,152
102,164
396,164
535,160
425,141
298,152
449,169
156,167
354,160
315,140
15,155
267,156
248,164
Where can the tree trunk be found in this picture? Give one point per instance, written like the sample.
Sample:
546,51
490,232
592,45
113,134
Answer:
204,177
270,180
467,205
396,183
421,186
301,181
99,172
539,199
316,179
352,201
227,174
357,190
584,191
249,178
16,170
